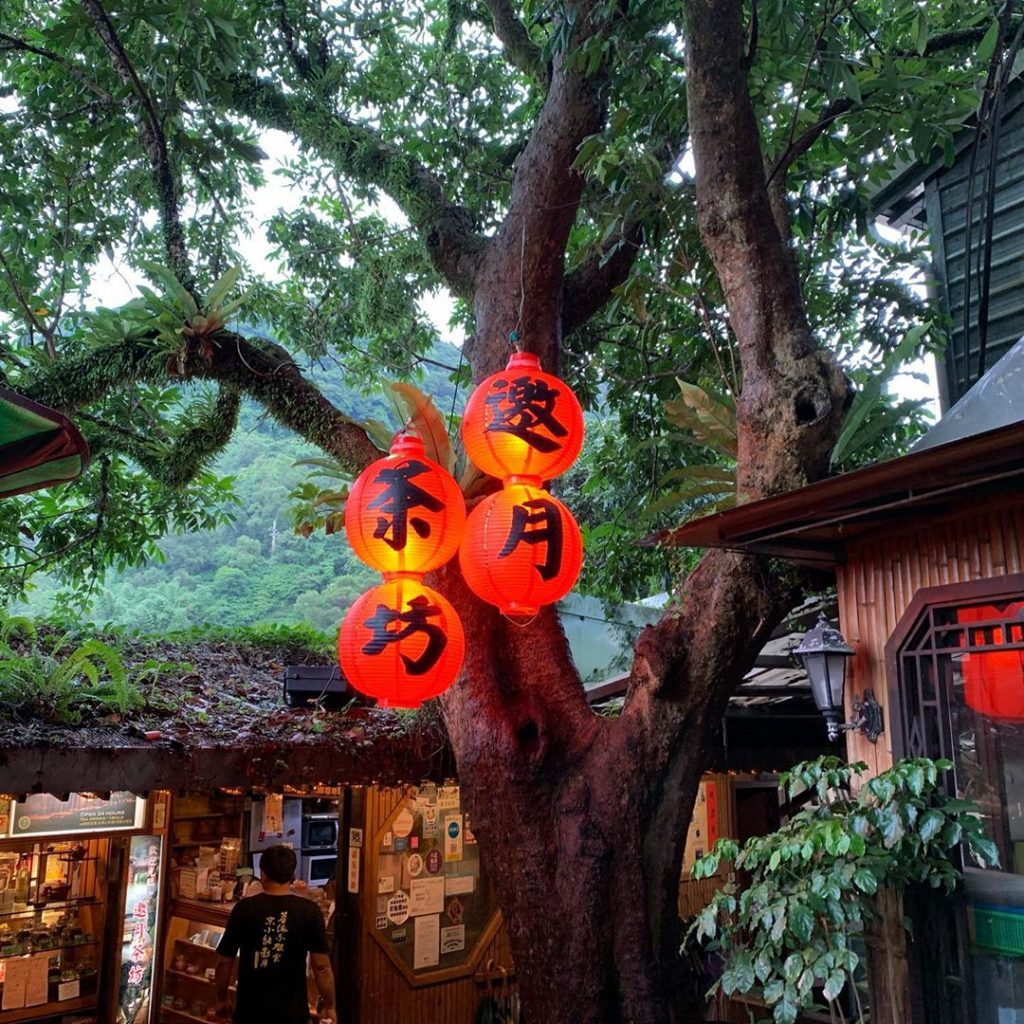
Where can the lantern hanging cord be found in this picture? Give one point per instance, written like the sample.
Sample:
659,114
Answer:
520,621
458,380
514,336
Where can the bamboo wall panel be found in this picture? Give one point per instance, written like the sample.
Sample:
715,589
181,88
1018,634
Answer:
879,580
881,577
385,996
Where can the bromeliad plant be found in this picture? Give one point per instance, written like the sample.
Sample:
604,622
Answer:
786,936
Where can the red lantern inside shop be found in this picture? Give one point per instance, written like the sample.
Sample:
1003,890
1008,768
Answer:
405,514
523,422
522,550
993,680
402,643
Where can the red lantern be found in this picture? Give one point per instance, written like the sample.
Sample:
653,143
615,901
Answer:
405,514
402,643
522,549
523,422
993,680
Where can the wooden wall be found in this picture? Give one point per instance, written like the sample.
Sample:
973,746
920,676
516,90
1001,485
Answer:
695,894
385,996
881,576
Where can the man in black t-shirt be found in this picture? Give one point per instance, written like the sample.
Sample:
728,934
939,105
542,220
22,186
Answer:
274,931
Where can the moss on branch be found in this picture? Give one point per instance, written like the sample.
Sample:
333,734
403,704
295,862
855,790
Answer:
360,154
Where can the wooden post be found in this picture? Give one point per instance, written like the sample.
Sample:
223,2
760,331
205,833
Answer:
348,907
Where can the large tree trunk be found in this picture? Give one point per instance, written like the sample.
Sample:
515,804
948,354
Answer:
582,819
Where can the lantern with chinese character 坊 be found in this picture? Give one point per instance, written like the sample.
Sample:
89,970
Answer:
405,514
522,549
993,679
523,423
402,643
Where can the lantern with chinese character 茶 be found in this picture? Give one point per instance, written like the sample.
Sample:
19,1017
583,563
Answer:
523,423
402,643
993,679
522,549
405,513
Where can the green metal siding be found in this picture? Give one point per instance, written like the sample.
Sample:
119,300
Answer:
946,206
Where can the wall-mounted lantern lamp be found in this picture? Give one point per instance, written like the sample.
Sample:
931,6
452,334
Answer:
823,652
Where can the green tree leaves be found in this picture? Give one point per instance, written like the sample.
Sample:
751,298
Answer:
787,935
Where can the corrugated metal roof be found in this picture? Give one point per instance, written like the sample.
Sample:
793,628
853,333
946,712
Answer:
997,400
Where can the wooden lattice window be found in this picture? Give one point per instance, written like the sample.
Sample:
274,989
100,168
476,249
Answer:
960,695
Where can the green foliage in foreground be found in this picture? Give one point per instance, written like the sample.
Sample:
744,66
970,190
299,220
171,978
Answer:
59,680
786,937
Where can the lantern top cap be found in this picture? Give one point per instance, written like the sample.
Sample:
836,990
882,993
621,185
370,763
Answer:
823,638
523,361
407,442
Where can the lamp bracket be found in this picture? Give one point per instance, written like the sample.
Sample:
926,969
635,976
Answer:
870,720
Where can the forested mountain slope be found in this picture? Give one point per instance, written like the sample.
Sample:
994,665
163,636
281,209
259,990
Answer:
256,568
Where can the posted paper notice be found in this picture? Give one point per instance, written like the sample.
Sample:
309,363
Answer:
426,940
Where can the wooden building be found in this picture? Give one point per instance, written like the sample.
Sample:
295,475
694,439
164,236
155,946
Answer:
111,896
928,556
973,210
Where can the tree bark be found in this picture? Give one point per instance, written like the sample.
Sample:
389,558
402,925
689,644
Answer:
582,819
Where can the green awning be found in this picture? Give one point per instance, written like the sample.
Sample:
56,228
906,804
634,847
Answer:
38,447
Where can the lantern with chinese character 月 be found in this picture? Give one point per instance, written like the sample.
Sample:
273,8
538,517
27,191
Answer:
402,643
405,514
523,422
522,550
993,679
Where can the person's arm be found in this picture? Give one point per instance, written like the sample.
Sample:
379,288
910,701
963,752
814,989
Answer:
324,978
222,979
227,950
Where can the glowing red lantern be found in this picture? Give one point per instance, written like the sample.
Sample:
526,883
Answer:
523,422
522,549
402,643
993,680
405,513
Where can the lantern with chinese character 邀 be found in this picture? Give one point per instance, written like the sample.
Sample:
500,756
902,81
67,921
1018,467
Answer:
522,550
993,679
405,513
523,423
402,643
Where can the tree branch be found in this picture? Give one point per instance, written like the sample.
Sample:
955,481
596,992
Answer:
788,412
14,43
259,369
837,108
360,154
154,142
803,142
546,192
590,286
522,52
794,393
180,462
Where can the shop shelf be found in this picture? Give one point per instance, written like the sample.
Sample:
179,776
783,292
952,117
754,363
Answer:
50,949
36,1013
191,977
45,906
185,1015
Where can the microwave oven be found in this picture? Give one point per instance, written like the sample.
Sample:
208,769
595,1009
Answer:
317,868
319,832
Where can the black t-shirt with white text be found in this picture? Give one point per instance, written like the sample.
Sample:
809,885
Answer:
273,934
